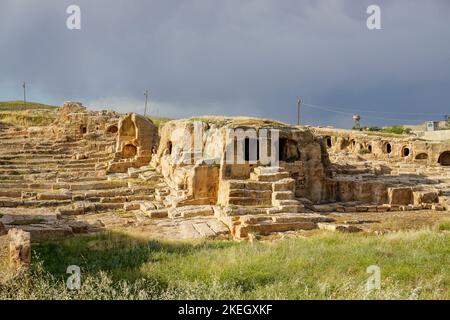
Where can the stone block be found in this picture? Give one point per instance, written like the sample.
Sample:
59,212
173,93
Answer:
19,249
400,195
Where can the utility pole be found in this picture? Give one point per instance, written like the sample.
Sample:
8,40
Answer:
299,102
24,95
146,99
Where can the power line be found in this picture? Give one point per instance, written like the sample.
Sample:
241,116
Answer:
377,112
351,113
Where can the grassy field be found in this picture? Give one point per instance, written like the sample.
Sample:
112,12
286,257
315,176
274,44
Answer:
19,106
33,114
159,121
414,265
28,118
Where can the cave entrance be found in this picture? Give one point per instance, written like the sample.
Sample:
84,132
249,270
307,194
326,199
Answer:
112,129
129,151
288,150
387,148
250,154
444,158
422,156
405,151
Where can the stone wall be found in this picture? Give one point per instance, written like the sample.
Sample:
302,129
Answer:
379,146
75,121
438,135
137,139
187,169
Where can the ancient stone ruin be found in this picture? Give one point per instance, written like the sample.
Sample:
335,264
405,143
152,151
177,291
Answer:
15,250
92,170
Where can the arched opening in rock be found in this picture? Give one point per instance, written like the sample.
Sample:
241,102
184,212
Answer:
169,147
422,156
112,129
387,148
405,151
288,150
129,151
444,158
127,129
369,147
329,142
83,129
251,150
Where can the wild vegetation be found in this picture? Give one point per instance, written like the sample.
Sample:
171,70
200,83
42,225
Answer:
27,118
414,265
159,121
392,130
19,105
31,114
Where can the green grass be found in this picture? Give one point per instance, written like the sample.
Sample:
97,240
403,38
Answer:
392,131
159,121
19,106
28,118
414,265
443,225
33,114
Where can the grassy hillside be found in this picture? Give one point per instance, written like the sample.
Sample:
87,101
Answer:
33,114
159,121
19,106
414,265
28,118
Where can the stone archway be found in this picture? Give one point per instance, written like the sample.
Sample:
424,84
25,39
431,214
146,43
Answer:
387,148
288,150
422,156
405,151
127,129
444,158
329,142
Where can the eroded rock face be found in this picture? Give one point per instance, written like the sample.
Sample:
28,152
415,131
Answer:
71,107
137,138
386,147
197,167
74,121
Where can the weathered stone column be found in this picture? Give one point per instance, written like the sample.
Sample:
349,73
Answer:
19,249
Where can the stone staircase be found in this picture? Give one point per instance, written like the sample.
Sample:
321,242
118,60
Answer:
67,177
264,204
269,190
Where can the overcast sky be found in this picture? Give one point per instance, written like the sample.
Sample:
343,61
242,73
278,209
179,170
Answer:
230,57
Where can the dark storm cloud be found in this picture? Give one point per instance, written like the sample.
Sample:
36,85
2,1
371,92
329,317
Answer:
232,57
